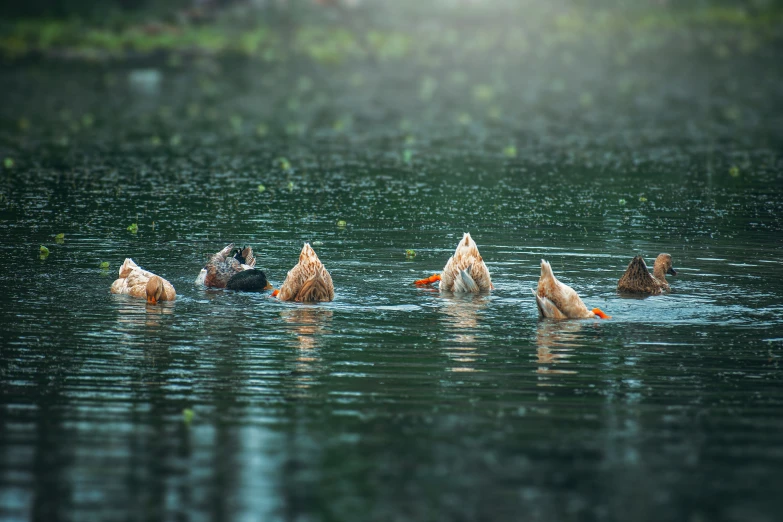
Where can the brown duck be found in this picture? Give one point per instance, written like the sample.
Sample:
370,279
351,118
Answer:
638,280
308,281
137,282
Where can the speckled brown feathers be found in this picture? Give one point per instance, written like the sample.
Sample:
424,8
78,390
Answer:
308,281
225,264
638,280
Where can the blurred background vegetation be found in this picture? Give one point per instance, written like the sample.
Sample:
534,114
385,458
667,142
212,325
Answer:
336,30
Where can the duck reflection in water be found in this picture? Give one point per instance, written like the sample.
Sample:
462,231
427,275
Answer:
308,325
461,315
555,340
134,314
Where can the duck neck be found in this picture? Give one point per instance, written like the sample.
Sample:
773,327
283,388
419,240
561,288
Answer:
659,271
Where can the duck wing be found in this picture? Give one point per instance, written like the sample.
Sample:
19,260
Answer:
547,308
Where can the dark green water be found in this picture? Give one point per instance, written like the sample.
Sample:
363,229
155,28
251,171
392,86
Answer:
392,402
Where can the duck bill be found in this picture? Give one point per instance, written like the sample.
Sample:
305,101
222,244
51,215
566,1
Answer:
600,313
269,286
151,300
672,271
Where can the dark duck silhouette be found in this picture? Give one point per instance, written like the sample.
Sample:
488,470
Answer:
638,280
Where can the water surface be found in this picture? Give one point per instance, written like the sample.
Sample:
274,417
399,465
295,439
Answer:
392,402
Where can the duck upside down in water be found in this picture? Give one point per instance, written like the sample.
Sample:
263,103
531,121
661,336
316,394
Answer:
464,272
228,263
308,281
556,300
139,283
251,280
638,280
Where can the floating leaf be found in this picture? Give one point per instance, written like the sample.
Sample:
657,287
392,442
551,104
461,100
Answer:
44,252
510,151
290,186
133,228
410,253
261,188
341,223
407,155
621,201
734,171
642,199
8,163
59,238
104,264
187,416
283,163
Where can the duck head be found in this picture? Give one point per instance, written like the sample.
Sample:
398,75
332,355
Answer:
154,290
663,266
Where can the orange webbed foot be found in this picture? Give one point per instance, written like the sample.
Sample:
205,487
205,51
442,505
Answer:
427,281
601,314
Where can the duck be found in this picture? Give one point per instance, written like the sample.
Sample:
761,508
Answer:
556,300
226,264
308,281
638,280
465,271
136,282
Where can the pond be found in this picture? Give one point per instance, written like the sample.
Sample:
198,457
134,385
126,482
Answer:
393,402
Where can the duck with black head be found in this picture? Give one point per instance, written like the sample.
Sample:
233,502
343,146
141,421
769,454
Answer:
233,269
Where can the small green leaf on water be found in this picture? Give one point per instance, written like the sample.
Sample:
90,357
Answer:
410,253
44,251
60,236
155,140
8,163
175,140
283,163
341,223
133,228
642,199
261,188
407,155
734,171
187,415
104,264
510,151
621,201
290,186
